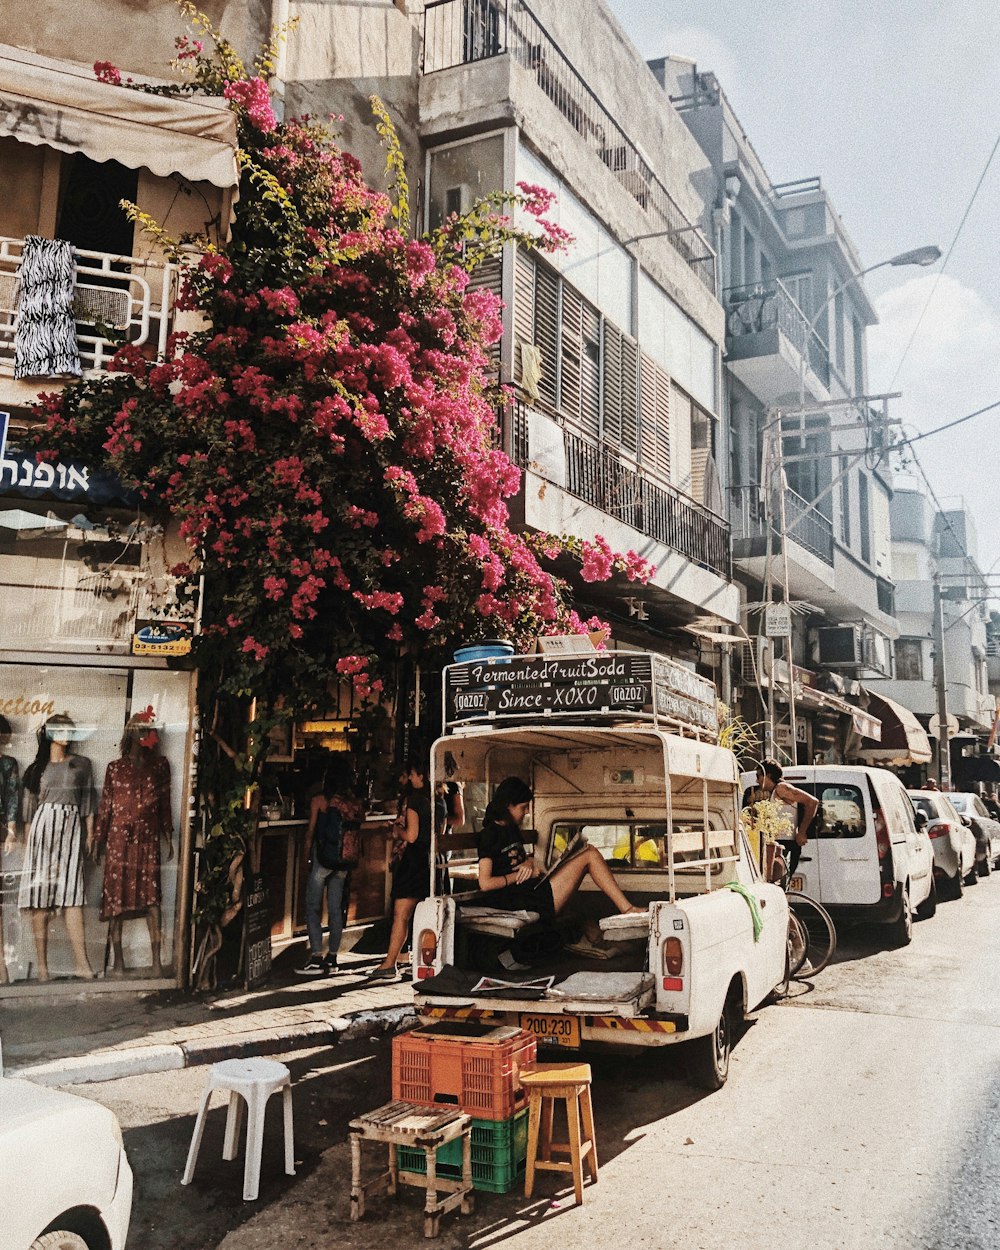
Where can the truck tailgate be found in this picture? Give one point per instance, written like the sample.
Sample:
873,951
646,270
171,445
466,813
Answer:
624,994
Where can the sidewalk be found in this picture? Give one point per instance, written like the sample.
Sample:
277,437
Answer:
100,1037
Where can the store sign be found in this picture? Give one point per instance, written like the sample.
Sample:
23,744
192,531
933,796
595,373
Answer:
162,638
26,705
581,686
23,475
257,918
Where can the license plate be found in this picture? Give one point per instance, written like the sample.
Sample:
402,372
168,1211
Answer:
797,883
553,1030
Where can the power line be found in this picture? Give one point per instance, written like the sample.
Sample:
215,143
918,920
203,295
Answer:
906,442
944,263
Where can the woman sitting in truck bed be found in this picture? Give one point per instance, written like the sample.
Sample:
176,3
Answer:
514,881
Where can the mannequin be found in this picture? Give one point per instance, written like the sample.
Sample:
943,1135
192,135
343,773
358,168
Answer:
133,815
59,801
10,792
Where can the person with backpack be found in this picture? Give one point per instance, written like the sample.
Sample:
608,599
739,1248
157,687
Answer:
335,816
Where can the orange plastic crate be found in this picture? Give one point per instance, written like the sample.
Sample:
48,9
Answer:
472,1066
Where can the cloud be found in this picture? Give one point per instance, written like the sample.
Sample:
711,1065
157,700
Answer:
952,368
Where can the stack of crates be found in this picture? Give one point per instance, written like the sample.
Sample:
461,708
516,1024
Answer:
476,1068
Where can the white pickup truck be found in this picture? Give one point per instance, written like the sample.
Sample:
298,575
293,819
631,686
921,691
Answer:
634,774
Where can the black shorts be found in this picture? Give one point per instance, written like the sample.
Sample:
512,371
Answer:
531,896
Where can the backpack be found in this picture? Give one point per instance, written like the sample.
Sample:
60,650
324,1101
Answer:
336,845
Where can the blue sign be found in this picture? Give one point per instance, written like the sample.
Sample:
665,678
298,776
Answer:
4,425
21,474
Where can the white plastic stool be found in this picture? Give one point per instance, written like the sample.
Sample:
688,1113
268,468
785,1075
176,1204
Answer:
250,1082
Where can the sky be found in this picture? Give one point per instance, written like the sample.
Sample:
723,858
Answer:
896,105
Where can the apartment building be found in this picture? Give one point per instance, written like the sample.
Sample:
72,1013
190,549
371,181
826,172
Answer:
88,614
809,510
929,544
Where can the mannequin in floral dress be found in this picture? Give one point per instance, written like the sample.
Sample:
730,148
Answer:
10,802
133,815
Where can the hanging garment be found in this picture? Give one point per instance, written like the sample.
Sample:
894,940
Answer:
133,815
45,334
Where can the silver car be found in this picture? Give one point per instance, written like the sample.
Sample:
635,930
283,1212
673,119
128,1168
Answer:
952,841
986,829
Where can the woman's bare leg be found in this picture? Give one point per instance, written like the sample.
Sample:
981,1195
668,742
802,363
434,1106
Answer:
402,914
565,881
74,927
40,929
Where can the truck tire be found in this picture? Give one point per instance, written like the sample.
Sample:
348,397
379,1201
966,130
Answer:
901,930
929,906
708,1057
59,1241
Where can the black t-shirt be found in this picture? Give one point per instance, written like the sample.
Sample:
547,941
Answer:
501,844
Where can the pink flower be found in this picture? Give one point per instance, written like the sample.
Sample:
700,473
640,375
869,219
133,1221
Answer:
257,649
254,97
105,71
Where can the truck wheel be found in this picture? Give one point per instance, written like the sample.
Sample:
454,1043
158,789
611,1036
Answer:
901,930
929,906
708,1057
58,1241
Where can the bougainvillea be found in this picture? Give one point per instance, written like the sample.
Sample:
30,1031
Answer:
328,444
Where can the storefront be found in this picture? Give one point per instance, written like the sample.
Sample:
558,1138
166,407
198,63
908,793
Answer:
97,731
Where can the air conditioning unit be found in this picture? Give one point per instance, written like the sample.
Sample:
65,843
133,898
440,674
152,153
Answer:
841,646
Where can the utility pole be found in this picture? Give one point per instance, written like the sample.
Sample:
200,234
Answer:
941,684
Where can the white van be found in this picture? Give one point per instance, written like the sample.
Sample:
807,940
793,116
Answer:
868,857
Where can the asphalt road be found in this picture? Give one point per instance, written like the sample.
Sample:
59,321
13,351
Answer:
862,1113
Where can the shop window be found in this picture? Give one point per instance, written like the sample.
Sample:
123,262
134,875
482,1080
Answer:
63,731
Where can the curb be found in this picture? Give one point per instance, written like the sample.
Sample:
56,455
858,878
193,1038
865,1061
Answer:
142,1060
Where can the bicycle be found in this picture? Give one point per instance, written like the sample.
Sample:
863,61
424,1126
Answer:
812,937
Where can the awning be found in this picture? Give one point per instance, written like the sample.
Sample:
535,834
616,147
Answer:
59,104
976,768
808,695
903,739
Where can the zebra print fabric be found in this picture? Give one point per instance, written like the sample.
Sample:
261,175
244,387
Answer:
45,333
53,859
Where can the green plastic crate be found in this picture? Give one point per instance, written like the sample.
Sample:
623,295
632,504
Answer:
499,1148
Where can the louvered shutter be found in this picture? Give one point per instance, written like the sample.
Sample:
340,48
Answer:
662,438
524,306
630,395
547,330
647,412
489,277
590,371
612,423
572,349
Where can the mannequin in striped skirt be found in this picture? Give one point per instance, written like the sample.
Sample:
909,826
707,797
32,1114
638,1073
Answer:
60,802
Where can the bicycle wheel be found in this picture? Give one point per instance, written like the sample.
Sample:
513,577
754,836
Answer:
819,929
798,944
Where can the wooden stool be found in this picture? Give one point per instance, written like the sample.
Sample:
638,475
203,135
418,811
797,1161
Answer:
545,1083
426,1128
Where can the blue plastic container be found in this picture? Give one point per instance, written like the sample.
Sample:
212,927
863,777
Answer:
491,649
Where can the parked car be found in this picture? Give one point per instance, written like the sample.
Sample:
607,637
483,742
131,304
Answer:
986,829
952,841
67,1184
866,858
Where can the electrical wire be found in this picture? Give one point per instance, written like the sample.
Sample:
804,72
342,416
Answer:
948,425
944,263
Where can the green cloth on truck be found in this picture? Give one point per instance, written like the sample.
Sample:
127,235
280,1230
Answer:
751,901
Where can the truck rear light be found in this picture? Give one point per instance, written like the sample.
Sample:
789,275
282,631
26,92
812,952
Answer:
673,983
673,957
427,947
882,835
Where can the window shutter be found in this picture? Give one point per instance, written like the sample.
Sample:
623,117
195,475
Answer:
612,423
572,348
547,330
630,395
647,412
524,306
590,372
662,450
489,277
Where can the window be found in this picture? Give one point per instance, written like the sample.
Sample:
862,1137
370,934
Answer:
909,659
799,287
462,173
841,811
859,357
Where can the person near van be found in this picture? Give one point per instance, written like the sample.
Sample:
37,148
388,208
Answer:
336,802
769,779
514,881
411,876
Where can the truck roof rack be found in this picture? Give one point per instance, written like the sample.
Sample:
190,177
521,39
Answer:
603,687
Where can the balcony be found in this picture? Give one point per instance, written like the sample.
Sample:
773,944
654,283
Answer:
770,345
118,299
465,32
595,475
804,525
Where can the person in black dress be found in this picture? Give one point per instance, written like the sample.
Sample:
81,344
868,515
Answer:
512,879
411,878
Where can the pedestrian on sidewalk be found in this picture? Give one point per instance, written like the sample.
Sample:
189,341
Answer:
334,814
411,877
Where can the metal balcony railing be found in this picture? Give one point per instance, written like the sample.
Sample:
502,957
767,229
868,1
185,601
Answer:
803,525
762,306
119,299
596,475
461,32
